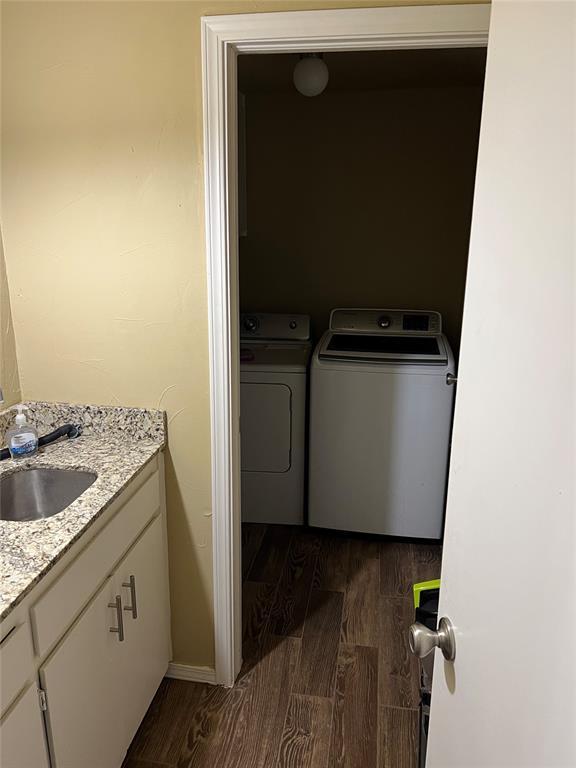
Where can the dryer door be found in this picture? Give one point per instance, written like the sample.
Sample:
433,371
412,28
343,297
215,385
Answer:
265,427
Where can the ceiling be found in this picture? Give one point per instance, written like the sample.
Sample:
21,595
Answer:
370,70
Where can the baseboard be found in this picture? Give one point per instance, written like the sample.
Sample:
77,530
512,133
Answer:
194,674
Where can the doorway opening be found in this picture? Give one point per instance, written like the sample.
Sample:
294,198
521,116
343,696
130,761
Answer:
225,38
354,220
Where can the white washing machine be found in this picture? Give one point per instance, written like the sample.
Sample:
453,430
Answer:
381,398
274,355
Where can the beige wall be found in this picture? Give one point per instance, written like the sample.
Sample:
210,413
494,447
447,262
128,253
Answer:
359,199
103,222
9,378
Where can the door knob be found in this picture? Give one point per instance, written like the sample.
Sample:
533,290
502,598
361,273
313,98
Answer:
424,640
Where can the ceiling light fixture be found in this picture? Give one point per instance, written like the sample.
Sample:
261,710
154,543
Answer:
311,74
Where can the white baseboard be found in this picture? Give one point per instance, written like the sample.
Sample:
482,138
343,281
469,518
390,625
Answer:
194,674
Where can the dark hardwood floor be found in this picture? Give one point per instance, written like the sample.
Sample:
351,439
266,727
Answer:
328,680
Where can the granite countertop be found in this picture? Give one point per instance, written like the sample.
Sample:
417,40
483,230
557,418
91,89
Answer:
116,444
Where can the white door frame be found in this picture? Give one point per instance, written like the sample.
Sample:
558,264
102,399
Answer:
223,38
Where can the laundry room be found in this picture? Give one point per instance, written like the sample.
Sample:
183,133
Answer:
356,180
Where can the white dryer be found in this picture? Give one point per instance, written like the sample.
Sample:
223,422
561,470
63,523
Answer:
381,398
274,355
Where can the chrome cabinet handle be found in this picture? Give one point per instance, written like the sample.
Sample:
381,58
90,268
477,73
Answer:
120,628
131,585
424,640
451,378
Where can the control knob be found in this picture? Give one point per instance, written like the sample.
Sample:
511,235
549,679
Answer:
250,324
384,321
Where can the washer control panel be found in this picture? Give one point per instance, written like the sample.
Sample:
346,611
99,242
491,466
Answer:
265,325
396,321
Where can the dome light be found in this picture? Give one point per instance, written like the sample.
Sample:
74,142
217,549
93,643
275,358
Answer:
311,74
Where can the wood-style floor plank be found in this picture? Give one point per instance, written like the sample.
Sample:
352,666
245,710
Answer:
396,569
291,602
243,726
427,561
162,732
269,561
398,667
213,726
398,738
317,668
332,564
252,537
360,619
354,732
257,601
257,741
306,737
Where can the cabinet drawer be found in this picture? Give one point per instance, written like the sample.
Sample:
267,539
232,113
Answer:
16,660
58,607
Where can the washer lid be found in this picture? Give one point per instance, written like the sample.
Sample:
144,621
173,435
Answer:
408,348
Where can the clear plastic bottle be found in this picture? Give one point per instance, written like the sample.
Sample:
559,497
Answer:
22,439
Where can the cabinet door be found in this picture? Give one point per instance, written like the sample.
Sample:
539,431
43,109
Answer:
85,686
141,578
22,740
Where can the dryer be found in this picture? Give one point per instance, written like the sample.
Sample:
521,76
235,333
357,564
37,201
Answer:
274,355
381,404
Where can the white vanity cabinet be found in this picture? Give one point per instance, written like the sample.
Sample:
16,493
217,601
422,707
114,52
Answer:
99,683
94,637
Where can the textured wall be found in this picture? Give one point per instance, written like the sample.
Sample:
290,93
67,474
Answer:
9,378
360,199
103,221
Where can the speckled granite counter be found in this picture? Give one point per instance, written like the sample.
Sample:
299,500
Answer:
116,444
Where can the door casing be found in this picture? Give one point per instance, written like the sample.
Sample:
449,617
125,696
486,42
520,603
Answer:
223,39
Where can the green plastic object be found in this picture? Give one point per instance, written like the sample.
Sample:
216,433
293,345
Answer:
417,589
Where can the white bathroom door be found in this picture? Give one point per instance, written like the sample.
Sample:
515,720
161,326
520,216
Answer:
509,573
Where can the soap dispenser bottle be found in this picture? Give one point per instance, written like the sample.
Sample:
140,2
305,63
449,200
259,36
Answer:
22,439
